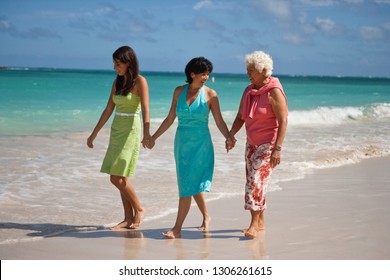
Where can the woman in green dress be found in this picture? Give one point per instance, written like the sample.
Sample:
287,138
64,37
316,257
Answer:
129,95
193,147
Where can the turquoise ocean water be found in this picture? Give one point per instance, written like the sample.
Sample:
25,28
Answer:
50,180
42,101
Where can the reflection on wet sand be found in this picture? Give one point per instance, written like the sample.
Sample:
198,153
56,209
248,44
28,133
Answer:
256,247
134,242
193,244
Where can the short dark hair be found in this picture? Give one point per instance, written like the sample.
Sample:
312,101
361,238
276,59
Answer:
126,54
198,65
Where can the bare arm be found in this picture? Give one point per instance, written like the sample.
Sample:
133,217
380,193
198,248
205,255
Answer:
103,118
221,124
238,122
216,111
279,106
170,118
143,92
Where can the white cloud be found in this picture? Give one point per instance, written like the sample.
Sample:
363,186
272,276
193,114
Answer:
202,4
325,24
102,11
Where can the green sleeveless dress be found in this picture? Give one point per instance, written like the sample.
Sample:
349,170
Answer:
125,137
194,151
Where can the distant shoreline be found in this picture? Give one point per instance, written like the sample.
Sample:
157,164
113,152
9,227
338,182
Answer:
152,72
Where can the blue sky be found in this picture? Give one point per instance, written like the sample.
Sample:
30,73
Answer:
304,37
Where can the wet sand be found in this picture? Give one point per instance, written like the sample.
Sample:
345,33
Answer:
332,214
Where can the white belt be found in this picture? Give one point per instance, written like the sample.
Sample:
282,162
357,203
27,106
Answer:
125,114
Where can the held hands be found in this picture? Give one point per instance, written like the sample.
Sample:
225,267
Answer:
148,142
230,143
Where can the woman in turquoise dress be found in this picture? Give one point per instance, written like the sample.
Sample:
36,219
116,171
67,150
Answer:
129,95
193,147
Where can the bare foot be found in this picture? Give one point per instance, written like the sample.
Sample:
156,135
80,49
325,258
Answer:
251,233
172,234
138,219
259,228
126,224
205,224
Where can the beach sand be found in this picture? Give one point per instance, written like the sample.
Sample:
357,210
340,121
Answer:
332,214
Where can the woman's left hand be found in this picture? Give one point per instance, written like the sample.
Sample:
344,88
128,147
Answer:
275,158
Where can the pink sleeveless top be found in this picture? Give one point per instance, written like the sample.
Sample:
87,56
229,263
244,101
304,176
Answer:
260,120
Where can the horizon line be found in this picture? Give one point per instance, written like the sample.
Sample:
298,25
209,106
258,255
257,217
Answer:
26,68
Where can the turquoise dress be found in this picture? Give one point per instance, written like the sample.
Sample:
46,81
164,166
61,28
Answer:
194,151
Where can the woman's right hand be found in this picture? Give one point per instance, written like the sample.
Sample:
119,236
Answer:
90,141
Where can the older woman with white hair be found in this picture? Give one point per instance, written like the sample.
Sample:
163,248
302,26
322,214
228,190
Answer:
263,109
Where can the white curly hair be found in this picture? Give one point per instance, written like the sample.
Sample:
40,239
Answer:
261,61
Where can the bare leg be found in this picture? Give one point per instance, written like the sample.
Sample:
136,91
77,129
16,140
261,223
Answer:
128,213
184,207
257,224
128,193
261,221
201,202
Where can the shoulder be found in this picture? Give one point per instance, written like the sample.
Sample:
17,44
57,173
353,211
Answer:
211,96
141,81
276,96
276,93
140,86
178,90
209,92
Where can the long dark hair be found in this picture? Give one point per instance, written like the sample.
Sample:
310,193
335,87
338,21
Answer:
126,54
198,65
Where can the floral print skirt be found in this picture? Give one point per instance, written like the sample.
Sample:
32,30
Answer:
258,172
